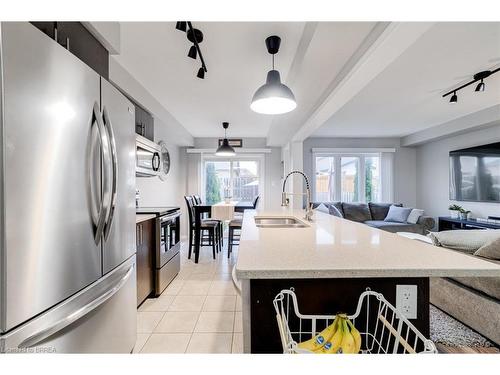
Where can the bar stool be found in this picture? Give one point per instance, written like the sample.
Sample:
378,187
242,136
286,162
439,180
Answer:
197,200
235,225
207,226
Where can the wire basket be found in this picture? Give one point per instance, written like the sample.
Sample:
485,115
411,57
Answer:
382,327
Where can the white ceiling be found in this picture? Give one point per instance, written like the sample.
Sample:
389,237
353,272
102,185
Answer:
403,99
406,96
237,61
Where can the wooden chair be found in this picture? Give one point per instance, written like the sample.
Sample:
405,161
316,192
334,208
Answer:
207,226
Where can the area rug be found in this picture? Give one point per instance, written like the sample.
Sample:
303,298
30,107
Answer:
448,331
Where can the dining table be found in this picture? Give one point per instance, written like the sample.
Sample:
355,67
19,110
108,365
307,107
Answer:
201,209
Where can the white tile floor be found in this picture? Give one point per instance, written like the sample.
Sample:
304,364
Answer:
199,312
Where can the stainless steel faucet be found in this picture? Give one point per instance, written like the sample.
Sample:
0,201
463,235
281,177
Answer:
285,200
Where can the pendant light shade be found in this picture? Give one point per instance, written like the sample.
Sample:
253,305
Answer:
273,97
225,148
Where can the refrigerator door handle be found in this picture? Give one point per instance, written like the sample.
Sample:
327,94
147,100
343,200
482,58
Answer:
100,220
78,314
114,168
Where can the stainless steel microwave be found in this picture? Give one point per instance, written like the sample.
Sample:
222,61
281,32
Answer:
147,158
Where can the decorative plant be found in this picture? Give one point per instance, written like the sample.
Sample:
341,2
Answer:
455,207
464,211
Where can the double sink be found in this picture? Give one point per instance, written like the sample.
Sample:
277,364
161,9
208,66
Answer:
279,222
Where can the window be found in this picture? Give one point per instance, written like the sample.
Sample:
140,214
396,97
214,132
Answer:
236,179
325,180
359,179
349,178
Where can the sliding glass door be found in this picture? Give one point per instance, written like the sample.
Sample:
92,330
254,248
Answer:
237,179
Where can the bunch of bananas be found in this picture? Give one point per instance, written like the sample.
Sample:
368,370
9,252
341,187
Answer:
339,337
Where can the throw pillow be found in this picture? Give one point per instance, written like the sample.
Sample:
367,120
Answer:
414,216
322,208
379,210
491,250
334,211
466,240
398,214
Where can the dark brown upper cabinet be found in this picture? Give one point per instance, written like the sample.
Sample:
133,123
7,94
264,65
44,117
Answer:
144,123
79,41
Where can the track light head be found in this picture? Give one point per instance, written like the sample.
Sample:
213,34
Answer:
454,98
480,87
192,52
181,26
201,73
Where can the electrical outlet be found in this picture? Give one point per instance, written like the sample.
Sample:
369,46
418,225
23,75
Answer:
406,300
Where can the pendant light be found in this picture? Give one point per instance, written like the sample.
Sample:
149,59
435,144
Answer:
273,97
225,148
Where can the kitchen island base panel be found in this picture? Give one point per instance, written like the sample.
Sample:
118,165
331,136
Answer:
317,296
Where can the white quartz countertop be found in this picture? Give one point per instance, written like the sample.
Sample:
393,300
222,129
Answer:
332,247
139,218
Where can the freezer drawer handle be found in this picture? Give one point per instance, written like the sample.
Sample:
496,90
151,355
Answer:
114,167
76,315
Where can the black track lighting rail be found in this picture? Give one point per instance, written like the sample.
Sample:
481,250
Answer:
477,77
197,46
195,36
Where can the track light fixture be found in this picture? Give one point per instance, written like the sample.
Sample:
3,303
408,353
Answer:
481,76
181,25
225,148
480,87
192,52
454,98
195,36
201,73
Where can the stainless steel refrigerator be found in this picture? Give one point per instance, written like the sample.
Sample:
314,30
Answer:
67,202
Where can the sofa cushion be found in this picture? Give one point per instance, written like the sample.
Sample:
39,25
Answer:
379,210
356,212
487,285
398,214
465,240
394,227
490,250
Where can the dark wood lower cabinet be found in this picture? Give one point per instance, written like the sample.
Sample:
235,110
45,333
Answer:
323,297
145,237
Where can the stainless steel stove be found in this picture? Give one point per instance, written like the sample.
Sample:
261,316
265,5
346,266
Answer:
168,245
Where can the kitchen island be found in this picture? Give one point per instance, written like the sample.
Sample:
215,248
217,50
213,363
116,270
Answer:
330,262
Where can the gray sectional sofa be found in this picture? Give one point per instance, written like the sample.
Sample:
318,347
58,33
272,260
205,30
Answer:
373,214
475,301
